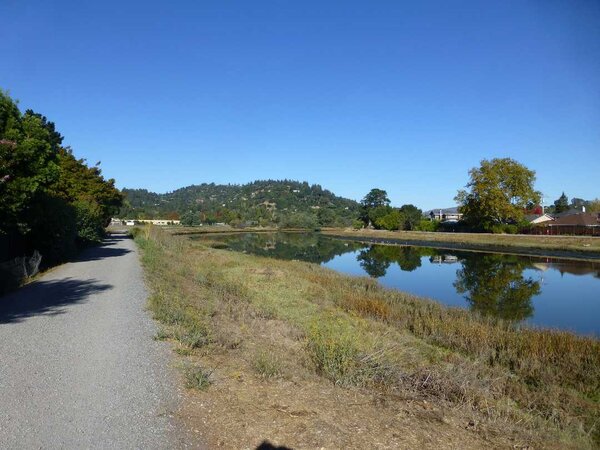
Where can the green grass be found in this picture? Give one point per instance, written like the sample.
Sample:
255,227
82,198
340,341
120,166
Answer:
536,383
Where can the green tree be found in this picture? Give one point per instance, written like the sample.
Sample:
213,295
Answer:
374,205
49,200
28,162
594,206
190,219
498,193
561,204
391,221
412,217
375,197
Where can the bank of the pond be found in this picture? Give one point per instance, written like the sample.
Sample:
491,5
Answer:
571,247
212,229
319,359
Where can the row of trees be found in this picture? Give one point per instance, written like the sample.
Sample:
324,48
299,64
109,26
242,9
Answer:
562,204
50,200
377,212
499,194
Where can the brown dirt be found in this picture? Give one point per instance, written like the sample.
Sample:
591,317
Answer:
301,410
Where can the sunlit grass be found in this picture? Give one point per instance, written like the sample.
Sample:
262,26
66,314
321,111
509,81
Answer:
356,333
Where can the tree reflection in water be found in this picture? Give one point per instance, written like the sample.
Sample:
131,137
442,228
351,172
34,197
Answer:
495,286
377,259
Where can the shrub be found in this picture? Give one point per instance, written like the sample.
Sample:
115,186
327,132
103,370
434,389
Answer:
333,349
357,224
428,225
391,221
90,223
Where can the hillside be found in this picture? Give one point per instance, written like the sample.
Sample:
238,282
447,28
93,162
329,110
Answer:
282,202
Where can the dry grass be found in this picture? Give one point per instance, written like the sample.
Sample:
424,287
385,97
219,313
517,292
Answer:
584,246
290,337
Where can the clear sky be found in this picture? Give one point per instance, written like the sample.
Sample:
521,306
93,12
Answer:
406,96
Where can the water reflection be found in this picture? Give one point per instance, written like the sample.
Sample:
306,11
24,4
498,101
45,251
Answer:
377,258
495,285
311,247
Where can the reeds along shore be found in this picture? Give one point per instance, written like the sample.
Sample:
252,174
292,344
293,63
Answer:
538,385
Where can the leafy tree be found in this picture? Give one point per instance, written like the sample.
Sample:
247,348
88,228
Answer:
498,192
49,200
190,219
594,206
412,216
375,198
391,221
299,220
27,162
374,205
561,204
428,225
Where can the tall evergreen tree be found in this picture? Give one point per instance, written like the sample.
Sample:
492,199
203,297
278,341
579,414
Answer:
561,204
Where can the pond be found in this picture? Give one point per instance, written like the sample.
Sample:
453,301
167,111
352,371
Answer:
539,291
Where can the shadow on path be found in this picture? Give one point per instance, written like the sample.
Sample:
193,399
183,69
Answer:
104,250
47,298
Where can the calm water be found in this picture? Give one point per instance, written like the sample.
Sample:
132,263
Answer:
545,292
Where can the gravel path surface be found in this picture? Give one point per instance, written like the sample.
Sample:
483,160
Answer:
78,365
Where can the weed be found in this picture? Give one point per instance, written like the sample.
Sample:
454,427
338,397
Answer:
267,365
197,378
163,334
194,336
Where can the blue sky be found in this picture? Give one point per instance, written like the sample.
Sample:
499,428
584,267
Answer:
405,96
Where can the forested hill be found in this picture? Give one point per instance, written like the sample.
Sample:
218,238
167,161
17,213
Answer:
281,202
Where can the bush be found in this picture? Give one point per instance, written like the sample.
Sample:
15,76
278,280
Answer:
299,220
392,221
90,223
333,348
504,228
357,224
428,225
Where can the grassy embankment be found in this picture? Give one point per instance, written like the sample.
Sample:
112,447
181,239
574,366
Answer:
576,246
309,357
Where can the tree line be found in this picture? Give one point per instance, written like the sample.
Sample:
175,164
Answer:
50,200
498,196
283,203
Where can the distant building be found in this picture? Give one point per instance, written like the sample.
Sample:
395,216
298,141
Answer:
581,219
571,212
445,214
159,221
575,224
131,222
538,218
